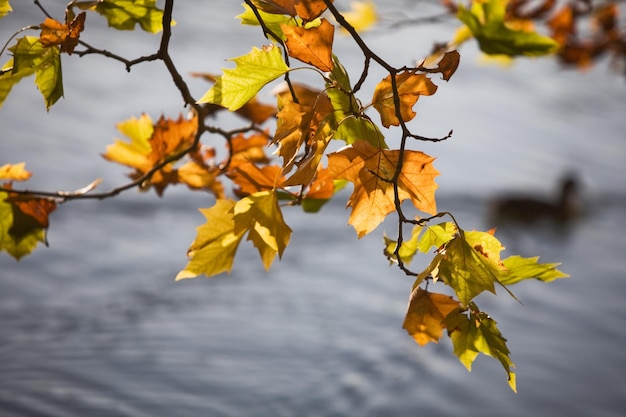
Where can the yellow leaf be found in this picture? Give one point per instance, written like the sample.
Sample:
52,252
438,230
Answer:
410,87
362,15
213,250
14,172
260,215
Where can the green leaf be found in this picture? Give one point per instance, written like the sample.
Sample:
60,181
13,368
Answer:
466,270
5,8
272,21
16,246
48,76
407,250
214,248
476,333
519,269
9,77
126,14
253,71
436,236
486,21
260,215
30,56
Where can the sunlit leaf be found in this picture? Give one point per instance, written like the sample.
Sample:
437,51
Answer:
371,170
260,215
475,332
313,46
519,269
309,10
250,178
14,172
410,86
362,15
55,33
425,314
407,250
30,56
486,21
436,235
5,8
126,14
253,71
271,21
213,250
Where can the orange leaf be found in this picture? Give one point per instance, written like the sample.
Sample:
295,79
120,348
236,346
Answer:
199,176
425,315
309,10
251,149
55,33
322,187
410,87
371,170
313,45
298,122
251,179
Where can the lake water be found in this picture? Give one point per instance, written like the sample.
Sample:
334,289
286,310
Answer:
95,326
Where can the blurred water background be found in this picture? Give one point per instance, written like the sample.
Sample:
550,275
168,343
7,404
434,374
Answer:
95,326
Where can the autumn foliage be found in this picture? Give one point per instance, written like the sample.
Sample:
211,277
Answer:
280,159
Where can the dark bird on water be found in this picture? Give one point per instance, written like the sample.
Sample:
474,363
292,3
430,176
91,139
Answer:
528,209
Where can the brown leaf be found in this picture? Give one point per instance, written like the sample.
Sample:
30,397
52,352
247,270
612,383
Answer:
29,213
410,87
313,45
55,33
248,149
425,315
276,6
445,62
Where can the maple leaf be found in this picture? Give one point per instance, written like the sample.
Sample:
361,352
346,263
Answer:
362,15
273,22
5,8
126,14
467,270
55,33
410,87
307,167
309,10
486,21
320,191
14,172
213,250
260,215
407,250
248,149
443,61
436,236
425,314
252,72
476,333
519,269
299,122
371,170
276,6
253,110
251,179
151,144
30,57
313,45
23,222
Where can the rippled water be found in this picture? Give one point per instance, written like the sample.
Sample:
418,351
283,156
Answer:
95,326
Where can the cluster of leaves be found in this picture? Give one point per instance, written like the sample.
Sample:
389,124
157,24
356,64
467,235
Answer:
386,174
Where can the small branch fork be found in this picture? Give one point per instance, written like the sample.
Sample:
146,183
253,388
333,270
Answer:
161,55
406,133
